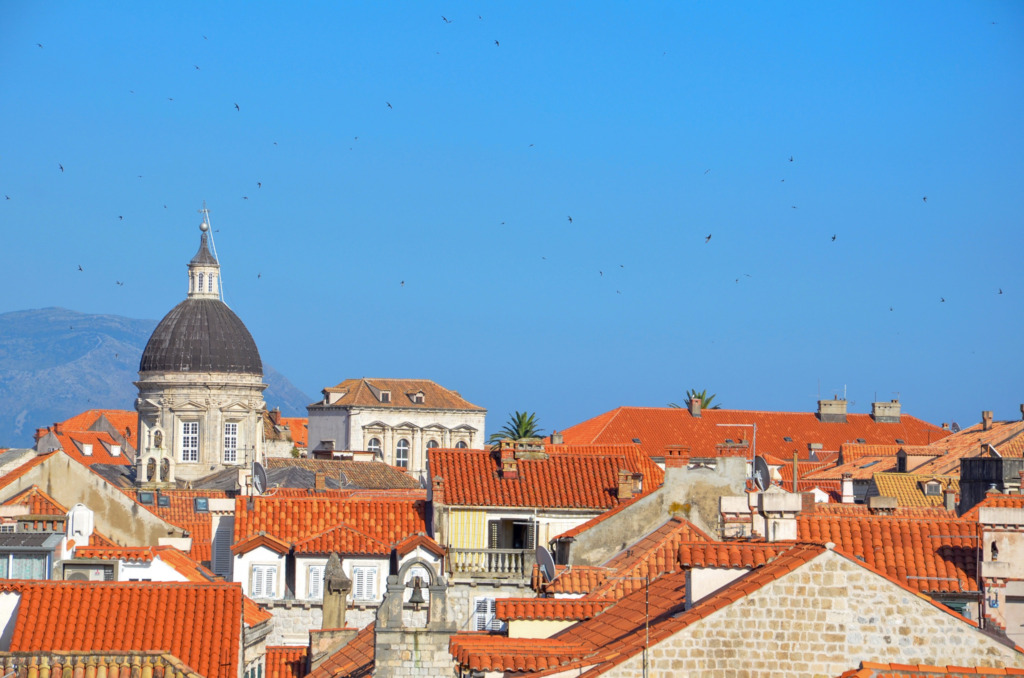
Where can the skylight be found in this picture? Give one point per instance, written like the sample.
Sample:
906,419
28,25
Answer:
636,440
788,439
146,498
861,441
901,441
201,504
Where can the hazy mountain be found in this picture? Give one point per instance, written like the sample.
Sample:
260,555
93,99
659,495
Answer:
55,363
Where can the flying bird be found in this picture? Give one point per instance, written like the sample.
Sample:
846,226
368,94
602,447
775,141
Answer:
707,238
1000,290
925,198
942,300
60,166
833,237
170,98
197,67
601,273
570,219
791,158
617,292
205,38
793,206
497,44
259,184
39,45
245,197
237,107
446,20
259,275
8,197
890,308
80,268
120,218
389,105
120,283
402,283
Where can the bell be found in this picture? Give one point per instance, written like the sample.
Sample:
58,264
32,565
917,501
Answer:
417,598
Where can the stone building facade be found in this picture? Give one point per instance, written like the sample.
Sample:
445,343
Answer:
200,385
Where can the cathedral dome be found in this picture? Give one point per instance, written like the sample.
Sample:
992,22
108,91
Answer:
201,335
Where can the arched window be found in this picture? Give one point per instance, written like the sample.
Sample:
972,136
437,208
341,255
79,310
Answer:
209,283
432,444
200,283
402,453
461,445
374,446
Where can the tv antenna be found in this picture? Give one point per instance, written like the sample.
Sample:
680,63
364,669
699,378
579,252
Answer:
207,228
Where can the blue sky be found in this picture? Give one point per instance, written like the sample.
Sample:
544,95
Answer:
652,125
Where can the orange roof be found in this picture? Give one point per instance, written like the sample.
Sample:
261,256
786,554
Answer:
995,501
75,443
299,428
38,502
157,664
201,624
840,509
412,542
294,519
125,422
933,555
252,614
354,660
182,513
261,539
852,451
908,488
286,661
571,477
487,652
550,609
863,468
343,539
572,581
876,670
658,428
363,393
1006,436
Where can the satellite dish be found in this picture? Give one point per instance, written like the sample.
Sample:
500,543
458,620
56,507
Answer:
762,474
546,562
955,428
259,478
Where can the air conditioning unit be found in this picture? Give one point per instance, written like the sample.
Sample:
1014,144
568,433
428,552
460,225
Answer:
88,572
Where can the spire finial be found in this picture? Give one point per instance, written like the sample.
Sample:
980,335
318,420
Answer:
205,226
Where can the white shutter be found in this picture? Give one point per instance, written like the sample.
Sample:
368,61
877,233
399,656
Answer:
316,582
271,583
264,581
257,582
483,613
363,582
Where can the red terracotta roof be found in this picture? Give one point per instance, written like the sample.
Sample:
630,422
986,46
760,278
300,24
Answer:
733,555
201,624
182,513
125,422
933,555
908,488
343,539
412,542
115,665
75,443
658,428
1006,436
549,609
261,539
360,392
299,428
38,502
576,580
588,480
486,652
852,451
995,501
293,520
141,554
876,670
354,660
862,468
839,509
286,661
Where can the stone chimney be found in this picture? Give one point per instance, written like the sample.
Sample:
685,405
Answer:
509,463
625,485
886,413
437,490
832,411
557,438
275,416
848,488
320,484
986,420
949,499
695,405
337,586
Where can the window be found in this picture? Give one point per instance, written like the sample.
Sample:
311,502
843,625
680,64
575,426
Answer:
264,581
364,583
201,504
316,582
200,282
385,396
209,283
432,444
146,498
483,615
190,441
402,453
461,445
932,489
7,527
28,566
374,446
230,442
417,398
163,501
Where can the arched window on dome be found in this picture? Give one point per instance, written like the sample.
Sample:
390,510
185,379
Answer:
211,282
200,282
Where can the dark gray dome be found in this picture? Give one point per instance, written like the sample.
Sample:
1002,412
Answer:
201,335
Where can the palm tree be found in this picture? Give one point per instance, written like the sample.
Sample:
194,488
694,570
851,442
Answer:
519,426
705,399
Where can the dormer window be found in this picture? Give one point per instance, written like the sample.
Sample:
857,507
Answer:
115,450
385,396
87,449
932,489
418,398
861,441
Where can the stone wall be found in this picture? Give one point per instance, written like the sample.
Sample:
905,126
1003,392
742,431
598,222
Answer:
822,619
293,620
460,599
405,652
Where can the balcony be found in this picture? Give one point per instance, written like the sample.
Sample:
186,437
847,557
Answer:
491,563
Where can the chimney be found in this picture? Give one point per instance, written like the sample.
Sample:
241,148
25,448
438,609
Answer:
796,470
807,502
886,413
884,506
848,488
949,499
695,404
320,484
945,426
509,464
901,461
437,495
625,485
56,427
986,420
275,416
832,411
557,438
1022,411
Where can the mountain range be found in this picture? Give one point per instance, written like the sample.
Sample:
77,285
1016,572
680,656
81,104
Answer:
56,363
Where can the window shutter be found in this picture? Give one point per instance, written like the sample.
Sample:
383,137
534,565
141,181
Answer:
316,582
492,533
531,535
271,583
224,532
257,583
484,610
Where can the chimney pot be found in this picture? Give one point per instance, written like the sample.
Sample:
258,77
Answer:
949,499
695,405
986,420
557,438
832,411
625,485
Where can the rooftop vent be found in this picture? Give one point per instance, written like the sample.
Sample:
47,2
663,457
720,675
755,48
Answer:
788,439
901,441
636,440
861,441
